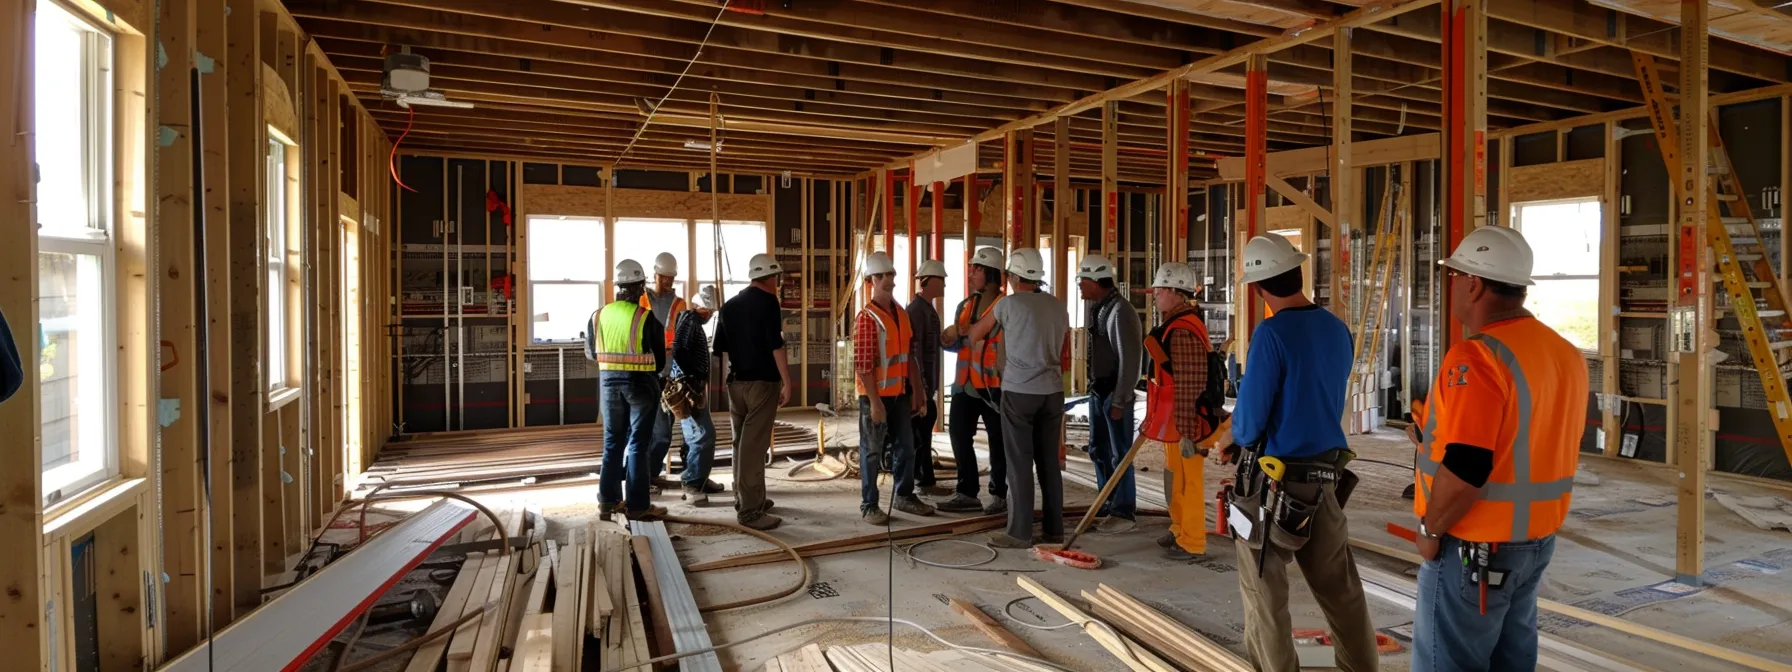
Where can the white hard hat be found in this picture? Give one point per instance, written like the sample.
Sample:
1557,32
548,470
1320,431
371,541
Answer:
1174,275
629,270
1495,253
763,265
932,268
1026,263
988,257
1268,256
705,298
665,264
875,263
1096,267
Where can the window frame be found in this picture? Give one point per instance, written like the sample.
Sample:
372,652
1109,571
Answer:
98,239
1542,281
285,385
603,276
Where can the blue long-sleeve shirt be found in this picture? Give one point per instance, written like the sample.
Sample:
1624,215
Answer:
1295,376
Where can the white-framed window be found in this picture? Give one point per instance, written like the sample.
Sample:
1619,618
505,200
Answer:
76,343
740,241
566,276
644,239
275,233
1564,238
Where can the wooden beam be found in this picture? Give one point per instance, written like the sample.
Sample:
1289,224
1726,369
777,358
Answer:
22,629
210,20
1175,238
1610,253
181,503
1343,187
246,150
1017,181
1689,390
1110,185
1300,198
1247,309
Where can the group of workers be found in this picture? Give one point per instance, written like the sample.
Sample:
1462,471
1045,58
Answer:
1496,444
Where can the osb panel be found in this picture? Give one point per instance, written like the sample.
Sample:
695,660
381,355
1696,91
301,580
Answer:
1279,218
276,104
1552,181
346,206
1739,20
557,199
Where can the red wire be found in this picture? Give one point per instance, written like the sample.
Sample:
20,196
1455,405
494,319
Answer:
392,160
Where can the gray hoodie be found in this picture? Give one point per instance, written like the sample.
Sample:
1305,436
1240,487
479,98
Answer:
1115,347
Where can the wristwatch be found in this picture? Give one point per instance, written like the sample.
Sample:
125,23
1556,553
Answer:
1426,533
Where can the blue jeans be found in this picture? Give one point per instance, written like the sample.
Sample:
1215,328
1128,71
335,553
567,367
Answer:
628,400
896,426
700,446
1449,631
1109,440
661,443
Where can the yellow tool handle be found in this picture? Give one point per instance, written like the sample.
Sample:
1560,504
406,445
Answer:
1272,467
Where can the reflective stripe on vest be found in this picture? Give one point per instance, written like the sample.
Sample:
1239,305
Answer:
678,306
893,337
621,326
1522,492
977,368
1160,389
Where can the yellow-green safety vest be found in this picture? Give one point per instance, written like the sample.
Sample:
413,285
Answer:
620,327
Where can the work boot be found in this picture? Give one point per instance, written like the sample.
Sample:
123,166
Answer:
649,513
695,496
1051,539
996,505
1168,540
1000,539
1116,525
961,503
912,504
664,482
874,516
765,506
605,510
760,521
1179,554
711,487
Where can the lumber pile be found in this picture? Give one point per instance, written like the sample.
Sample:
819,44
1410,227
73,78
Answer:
508,459
1130,653
1162,634
508,591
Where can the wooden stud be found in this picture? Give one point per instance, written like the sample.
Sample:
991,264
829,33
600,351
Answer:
1110,184
22,628
210,41
1135,657
181,505
1688,386
1247,310
1017,180
1609,239
1343,187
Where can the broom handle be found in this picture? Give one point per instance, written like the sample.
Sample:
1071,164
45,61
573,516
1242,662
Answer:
1106,490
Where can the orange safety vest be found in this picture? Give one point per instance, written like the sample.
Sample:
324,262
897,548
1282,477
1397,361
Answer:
1160,388
893,337
678,306
1521,387
979,368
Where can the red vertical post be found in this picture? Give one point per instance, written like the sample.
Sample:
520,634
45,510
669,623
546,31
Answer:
1465,125
889,211
937,242
1256,151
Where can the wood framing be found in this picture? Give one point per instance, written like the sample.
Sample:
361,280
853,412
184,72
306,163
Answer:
1691,335
1551,181
1465,142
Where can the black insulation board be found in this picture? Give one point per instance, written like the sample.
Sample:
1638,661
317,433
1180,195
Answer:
1529,150
541,173
1586,142
1644,178
1751,133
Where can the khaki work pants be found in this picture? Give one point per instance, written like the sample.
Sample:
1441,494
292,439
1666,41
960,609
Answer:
753,406
1330,572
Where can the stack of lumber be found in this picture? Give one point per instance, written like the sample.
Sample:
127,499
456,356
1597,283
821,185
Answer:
1162,634
1130,653
500,460
510,588
674,605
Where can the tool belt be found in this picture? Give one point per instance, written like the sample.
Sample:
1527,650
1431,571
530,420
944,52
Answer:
678,398
1280,506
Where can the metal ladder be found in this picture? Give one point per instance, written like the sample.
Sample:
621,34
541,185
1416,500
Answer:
1374,309
1744,270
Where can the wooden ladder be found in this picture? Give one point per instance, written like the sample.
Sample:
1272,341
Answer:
1378,280
1748,278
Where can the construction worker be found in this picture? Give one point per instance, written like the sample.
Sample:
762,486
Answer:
665,304
1287,499
930,285
750,338
1499,447
628,345
689,373
1035,347
889,390
977,389
1114,352
1176,415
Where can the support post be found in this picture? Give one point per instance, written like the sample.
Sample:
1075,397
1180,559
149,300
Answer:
1175,238
1017,178
1690,316
911,206
1344,190
970,231
889,185
1608,292
1110,184
936,243
1247,310
1465,142
1063,204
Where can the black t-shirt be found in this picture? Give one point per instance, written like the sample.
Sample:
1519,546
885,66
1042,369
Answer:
750,328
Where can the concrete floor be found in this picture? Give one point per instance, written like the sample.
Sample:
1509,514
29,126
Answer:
1615,555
